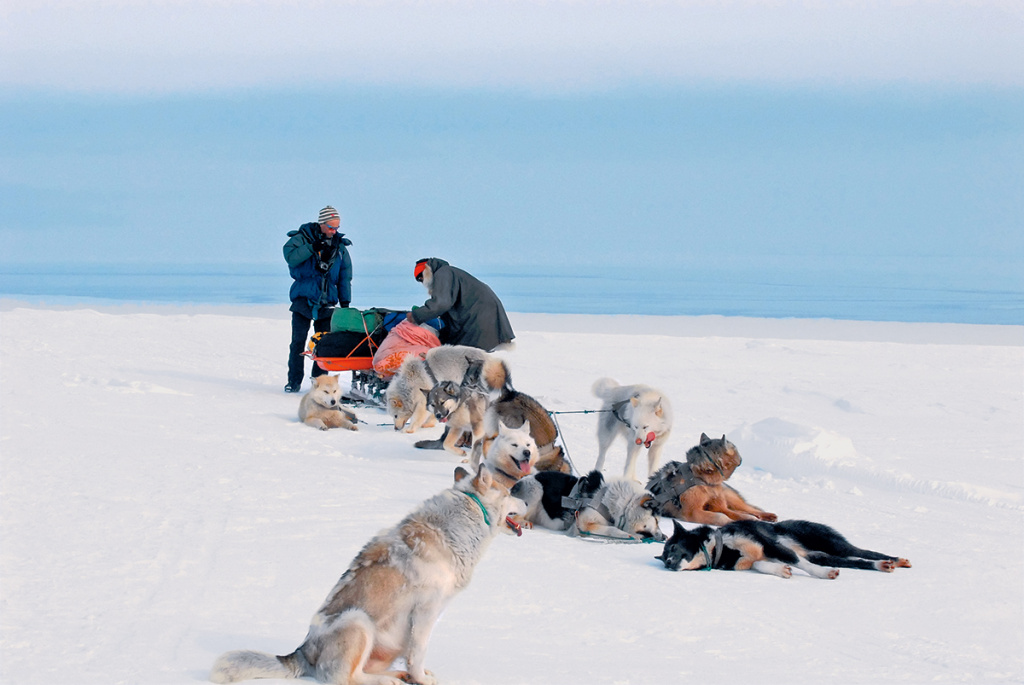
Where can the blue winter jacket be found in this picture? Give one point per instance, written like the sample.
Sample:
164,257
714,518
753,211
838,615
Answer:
312,291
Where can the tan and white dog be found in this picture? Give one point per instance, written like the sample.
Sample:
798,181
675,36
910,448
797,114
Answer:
515,408
385,605
321,406
638,413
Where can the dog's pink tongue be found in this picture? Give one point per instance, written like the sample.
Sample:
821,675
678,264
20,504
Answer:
525,468
650,438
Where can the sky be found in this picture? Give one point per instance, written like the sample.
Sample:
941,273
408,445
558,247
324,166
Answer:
629,133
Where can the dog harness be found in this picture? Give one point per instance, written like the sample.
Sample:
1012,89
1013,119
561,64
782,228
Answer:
665,496
709,560
576,504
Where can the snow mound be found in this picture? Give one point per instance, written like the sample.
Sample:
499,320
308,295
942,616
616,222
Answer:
788,450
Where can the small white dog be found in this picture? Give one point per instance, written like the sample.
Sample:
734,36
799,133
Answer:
639,413
321,406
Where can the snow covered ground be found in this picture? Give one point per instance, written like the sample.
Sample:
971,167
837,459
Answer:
161,504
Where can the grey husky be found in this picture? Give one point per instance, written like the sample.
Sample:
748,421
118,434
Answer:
405,398
460,407
385,605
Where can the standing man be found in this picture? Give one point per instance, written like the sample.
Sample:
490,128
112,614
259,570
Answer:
321,269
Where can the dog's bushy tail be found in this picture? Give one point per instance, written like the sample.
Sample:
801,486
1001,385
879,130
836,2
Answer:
247,665
496,378
602,387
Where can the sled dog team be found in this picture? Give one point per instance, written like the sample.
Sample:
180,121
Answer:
384,606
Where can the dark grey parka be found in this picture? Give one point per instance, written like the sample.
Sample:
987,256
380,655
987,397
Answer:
472,314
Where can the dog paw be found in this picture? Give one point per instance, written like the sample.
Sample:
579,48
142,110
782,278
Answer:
426,679
324,428
902,563
833,573
768,516
888,566
786,572
354,428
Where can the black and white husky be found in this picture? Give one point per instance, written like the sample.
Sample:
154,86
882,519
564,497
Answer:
773,548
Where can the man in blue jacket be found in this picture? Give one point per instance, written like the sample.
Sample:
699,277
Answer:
321,270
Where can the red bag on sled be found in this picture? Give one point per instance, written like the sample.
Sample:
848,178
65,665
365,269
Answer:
404,339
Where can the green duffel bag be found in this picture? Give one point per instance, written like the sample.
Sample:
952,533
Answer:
359,321
352,320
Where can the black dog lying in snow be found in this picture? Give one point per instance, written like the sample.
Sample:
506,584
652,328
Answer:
773,548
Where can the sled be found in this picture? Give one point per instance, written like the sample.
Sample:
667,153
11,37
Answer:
350,345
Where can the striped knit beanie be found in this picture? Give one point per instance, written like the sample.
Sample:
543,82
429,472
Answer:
328,213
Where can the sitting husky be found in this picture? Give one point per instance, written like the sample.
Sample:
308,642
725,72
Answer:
321,406
405,397
696,492
514,408
588,506
639,413
385,605
771,548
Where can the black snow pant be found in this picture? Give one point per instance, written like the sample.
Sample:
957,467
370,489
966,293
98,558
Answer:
300,331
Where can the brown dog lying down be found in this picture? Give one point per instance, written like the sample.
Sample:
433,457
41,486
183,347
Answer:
696,491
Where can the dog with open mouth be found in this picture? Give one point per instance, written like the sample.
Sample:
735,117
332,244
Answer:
385,605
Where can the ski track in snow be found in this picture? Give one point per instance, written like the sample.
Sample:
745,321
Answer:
162,504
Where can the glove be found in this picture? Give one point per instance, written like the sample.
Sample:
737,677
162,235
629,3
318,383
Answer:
343,305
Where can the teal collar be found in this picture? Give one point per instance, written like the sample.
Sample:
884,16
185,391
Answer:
487,519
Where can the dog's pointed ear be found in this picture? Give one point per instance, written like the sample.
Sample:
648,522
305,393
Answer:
659,411
395,403
525,426
724,441
460,474
484,480
647,502
634,400
426,393
502,428
677,528
704,439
